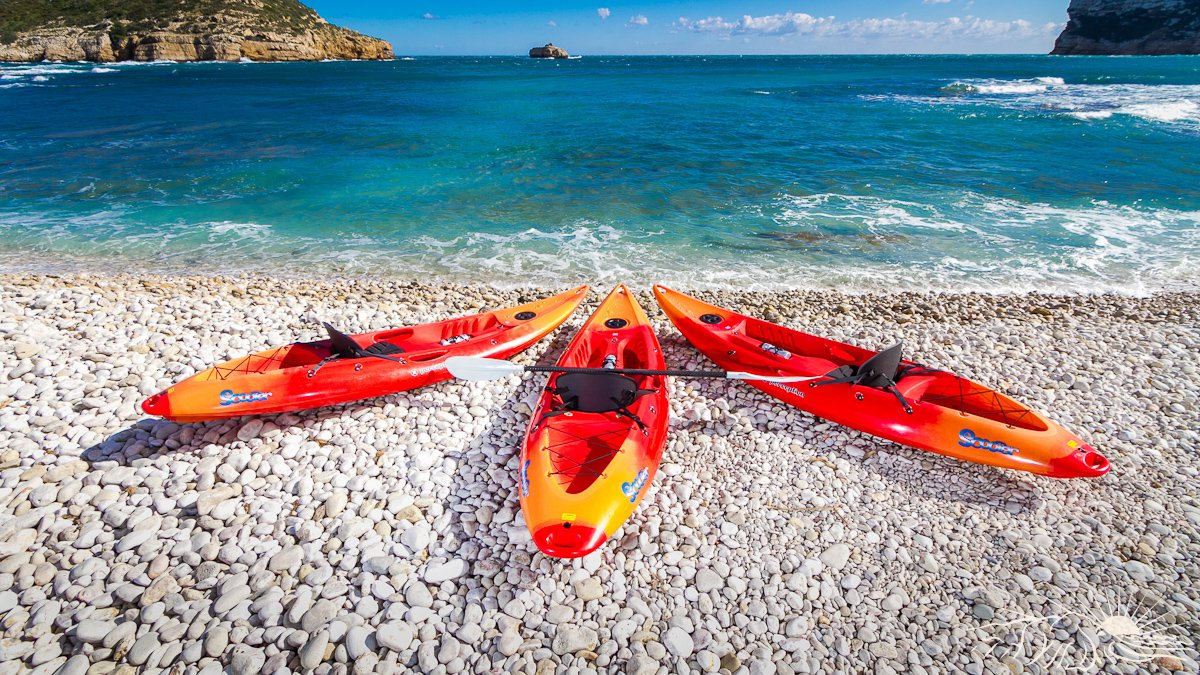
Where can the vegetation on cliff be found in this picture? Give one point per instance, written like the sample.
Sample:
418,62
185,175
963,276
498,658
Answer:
216,29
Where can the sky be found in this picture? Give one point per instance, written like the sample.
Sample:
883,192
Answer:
669,27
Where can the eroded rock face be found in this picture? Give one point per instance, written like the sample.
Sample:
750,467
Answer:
322,41
548,52
1131,27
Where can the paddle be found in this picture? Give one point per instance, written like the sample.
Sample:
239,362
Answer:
479,368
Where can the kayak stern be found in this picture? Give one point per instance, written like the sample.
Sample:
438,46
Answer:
569,540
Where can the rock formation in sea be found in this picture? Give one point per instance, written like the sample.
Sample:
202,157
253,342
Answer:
548,52
1131,27
215,30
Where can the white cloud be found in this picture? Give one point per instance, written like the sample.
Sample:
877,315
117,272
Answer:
552,23
935,2
798,23
604,12
639,20
429,16
771,24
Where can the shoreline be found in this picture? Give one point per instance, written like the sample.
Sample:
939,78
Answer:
385,535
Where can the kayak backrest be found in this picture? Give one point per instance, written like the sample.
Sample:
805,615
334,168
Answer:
880,370
597,392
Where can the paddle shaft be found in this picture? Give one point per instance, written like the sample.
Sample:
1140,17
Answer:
719,374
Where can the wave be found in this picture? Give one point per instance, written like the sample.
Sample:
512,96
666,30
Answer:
850,242
1087,102
1026,86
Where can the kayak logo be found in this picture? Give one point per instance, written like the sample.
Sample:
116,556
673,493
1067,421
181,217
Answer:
790,390
968,439
524,477
230,397
634,487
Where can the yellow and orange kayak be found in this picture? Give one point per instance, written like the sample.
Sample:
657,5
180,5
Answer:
347,368
596,439
901,401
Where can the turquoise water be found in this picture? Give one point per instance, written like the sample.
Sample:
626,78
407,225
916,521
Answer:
992,173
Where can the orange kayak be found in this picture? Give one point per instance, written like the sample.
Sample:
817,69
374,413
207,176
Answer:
347,368
880,394
595,440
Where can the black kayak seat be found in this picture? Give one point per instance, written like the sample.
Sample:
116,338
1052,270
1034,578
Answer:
597,392
345,347
878,371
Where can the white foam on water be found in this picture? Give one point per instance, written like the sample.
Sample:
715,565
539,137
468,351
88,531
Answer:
1087,102
843,241
762,92
10,77
40,78
99,69
245,59
1164,111
1033,85
225,227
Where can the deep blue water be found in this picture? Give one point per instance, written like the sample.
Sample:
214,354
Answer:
993,172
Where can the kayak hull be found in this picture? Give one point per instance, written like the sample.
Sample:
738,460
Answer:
287,378
583,474
950,415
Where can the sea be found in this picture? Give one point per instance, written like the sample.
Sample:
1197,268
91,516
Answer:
1001,174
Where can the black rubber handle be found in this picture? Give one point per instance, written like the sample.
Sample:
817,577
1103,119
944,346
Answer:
718,374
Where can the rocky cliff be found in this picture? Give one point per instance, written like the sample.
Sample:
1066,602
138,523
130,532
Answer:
199,30
1131,27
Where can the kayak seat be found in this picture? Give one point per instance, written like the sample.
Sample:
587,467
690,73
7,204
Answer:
344,346
597,392
878,371
384,348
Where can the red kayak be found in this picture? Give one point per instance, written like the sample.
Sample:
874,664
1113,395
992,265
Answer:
347,368
883,395
595,440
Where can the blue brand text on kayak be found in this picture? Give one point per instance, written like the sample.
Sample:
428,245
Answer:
525,478
634,487
968,439
230,397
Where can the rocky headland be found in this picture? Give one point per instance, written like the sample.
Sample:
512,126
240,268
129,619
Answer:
210,30
1152,27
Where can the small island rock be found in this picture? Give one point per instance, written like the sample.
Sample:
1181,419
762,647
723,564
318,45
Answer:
548,52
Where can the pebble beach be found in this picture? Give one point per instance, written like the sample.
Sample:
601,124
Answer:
386,535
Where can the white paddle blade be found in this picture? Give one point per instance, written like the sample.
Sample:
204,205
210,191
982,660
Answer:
477,368
736,375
